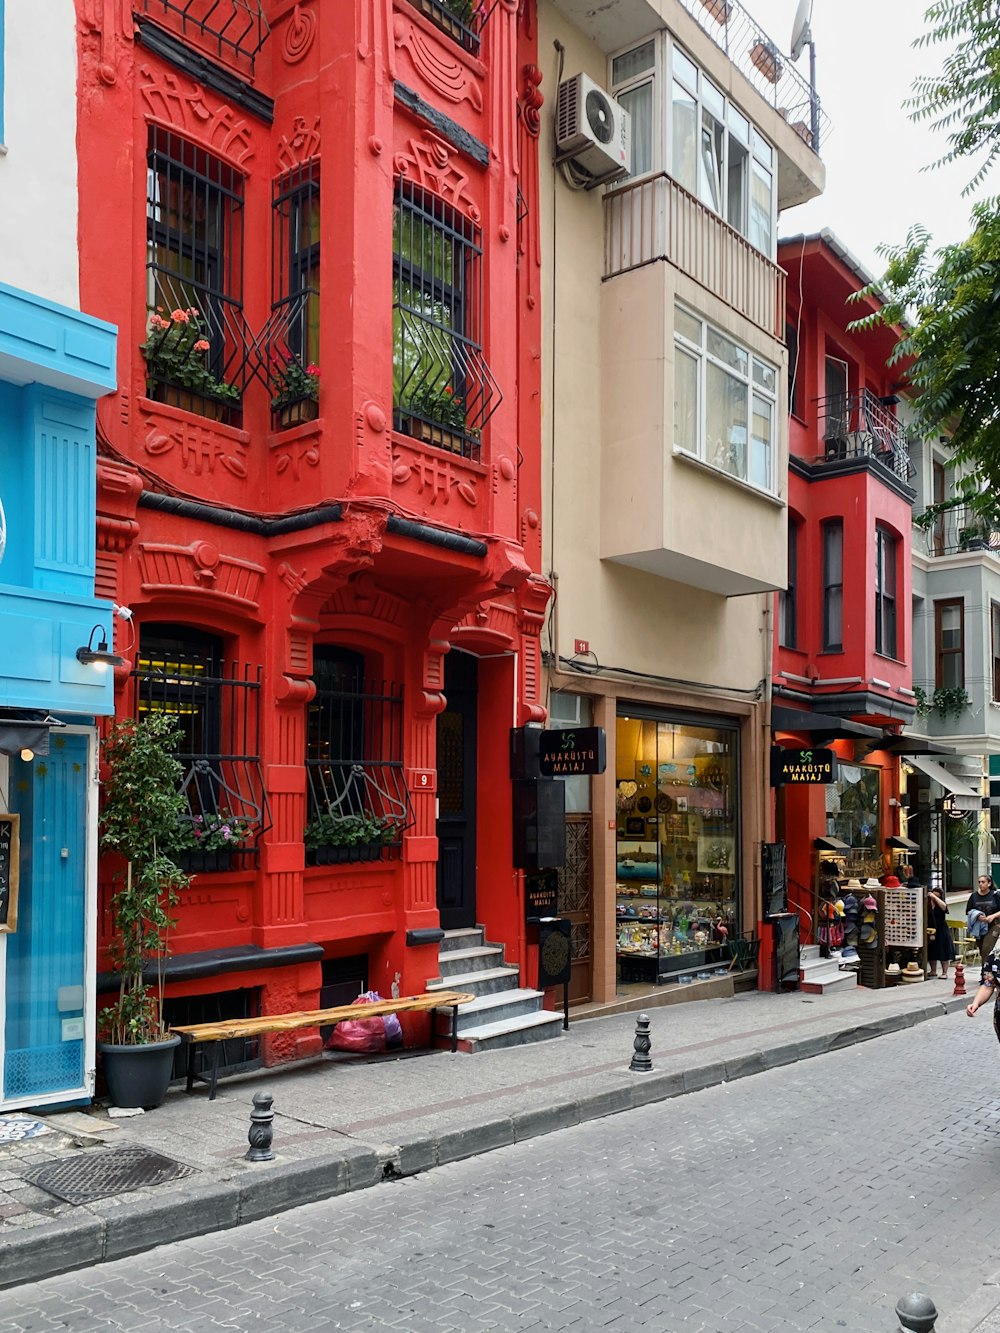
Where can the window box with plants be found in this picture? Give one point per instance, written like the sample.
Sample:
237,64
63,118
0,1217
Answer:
332,838
178,370
947,701
141,820
294,391
437,415
210,841
765,57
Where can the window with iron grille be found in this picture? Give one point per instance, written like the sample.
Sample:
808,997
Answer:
357,800
293,342
181,672
196,350
460,19
443,391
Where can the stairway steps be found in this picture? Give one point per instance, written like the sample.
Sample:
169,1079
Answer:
470,937
469,960
493,1007
510,1032
481,982
503,1012
819,983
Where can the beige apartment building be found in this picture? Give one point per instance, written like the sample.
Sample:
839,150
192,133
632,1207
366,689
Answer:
666,436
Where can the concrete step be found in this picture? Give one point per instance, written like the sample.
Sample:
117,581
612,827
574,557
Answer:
483,982
470,937
469,960
820,983
492,1008
510,1032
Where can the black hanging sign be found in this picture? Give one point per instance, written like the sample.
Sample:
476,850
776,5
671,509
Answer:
572,750
541,894
10,849
554,955
774,877
795,768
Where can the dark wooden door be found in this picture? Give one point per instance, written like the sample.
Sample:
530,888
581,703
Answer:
456,777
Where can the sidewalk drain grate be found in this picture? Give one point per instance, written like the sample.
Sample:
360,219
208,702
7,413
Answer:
96,1175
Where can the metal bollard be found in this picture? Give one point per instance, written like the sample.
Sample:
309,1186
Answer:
261,1132
959,980
916,1313
641,1063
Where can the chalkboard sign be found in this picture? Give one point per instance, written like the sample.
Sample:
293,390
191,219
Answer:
10,857
774,876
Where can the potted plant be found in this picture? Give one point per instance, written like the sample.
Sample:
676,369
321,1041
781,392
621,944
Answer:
212,840
719,9
176,351
764,55
437,415
294,390
332,836
140,819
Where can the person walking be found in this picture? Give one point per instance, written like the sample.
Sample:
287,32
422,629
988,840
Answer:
989,986
940,946
985,900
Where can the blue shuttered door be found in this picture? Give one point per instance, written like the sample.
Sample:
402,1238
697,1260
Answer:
43,1045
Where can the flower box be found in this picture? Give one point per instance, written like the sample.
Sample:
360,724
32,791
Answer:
200,862
332,856
718,9
764,56
297,413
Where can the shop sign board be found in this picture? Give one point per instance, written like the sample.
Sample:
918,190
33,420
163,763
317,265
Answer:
541,895
565,752
774,877
796,768
9,870
554,953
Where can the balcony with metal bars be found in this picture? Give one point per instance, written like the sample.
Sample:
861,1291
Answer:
462,20
958,530
856,426
231,31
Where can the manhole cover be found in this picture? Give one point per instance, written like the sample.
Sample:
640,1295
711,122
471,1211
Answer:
96,1175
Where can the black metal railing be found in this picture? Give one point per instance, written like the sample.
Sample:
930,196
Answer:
859,425
231,29
218,713
460,19
358,803
198,349
771,72
290,341
957,530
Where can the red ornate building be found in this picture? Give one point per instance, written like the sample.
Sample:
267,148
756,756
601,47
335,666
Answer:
315,226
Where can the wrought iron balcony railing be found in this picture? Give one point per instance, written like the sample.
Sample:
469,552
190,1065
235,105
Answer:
770,71
461,19
233,30
957,530
859,425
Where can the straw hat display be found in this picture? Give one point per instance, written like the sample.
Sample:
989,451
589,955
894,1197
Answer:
912,972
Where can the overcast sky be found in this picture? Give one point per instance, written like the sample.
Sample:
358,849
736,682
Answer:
865,65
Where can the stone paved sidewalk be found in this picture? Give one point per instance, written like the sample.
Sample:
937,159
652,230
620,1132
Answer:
346,1124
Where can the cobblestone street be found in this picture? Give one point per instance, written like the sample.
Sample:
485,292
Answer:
810,1197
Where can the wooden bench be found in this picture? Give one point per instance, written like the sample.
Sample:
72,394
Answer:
193,1034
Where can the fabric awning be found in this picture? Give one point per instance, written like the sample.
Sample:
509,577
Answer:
26,731
967,797
820,724
830,844
902,844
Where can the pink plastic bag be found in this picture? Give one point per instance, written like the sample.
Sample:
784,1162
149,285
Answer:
366,1034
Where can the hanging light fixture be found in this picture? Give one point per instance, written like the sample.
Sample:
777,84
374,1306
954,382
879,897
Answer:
100,657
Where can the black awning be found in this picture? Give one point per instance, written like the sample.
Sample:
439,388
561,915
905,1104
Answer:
26,730
829,844
820,724
902,844
905,745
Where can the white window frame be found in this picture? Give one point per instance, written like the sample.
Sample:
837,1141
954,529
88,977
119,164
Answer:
754,388
762,154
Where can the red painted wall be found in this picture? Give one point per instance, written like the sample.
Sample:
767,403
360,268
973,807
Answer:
343,78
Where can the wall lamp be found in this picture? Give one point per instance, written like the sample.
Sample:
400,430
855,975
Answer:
100,657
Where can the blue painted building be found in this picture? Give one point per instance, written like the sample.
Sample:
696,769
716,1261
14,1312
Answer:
54,364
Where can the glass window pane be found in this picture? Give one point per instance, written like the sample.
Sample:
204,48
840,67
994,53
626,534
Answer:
760,443
638,102
737,182
713,99
633,63
685,401
762,149
729,352
684,159
710,162
738,124
764,375
726,425
853,806
687,325
685,69
760,209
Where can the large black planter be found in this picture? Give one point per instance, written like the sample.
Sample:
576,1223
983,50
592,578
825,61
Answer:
138,1075
194,862
333,856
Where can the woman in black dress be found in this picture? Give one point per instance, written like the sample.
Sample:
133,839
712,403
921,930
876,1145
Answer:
985,898
940,947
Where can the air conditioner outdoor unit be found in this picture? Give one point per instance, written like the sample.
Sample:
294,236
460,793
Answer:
592,130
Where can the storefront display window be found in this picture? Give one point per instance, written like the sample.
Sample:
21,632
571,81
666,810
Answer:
852,806
677,863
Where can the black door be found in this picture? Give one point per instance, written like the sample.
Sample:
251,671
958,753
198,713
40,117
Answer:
456,776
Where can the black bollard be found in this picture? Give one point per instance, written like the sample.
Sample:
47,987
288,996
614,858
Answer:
916,1313
261,1132
641,1063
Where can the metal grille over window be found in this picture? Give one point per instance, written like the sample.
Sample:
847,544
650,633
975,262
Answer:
460,19
443,390
234,30
218,712
292,335
358,802
198,348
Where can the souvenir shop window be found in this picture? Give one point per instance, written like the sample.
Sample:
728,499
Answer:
853,806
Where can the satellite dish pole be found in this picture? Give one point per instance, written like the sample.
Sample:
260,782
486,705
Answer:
802,36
